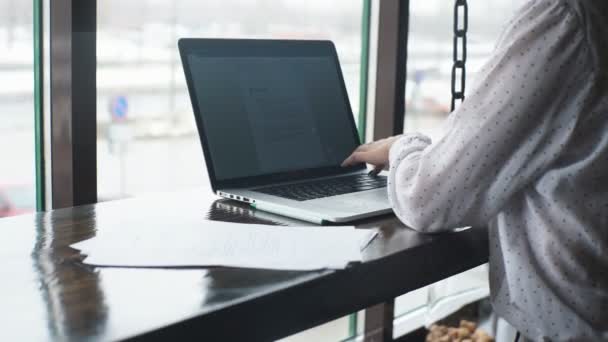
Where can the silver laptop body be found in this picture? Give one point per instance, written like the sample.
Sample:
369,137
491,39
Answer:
275,123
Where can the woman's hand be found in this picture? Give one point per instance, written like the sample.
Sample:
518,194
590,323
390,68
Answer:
374,153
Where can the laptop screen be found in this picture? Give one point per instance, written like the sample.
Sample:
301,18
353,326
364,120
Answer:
270,114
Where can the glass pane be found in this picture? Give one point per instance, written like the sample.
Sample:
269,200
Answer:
147,138
336,330
17,173
430,55
428,104
150,143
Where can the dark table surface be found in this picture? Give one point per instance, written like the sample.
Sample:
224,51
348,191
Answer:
46,293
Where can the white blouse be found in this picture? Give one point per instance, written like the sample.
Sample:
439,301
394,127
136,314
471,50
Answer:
527,154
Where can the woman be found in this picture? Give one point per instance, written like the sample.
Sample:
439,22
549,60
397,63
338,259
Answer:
527,155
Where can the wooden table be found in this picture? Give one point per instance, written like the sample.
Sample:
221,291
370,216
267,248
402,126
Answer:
47,294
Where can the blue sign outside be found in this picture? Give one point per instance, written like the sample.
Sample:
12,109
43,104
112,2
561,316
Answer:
119,107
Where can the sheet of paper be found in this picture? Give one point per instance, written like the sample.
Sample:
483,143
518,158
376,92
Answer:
212,243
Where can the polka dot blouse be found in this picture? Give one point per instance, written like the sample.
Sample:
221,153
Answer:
527,155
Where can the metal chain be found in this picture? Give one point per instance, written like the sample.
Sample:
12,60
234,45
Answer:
459,59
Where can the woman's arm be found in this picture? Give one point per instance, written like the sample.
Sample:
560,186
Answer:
514,123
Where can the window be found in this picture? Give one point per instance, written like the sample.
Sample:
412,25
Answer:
427,105
430,55
147,138
17,173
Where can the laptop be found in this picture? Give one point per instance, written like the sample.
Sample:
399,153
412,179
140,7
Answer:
275,124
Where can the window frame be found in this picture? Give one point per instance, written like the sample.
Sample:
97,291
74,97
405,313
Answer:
65,43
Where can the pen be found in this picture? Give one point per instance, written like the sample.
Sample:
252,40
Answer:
369,241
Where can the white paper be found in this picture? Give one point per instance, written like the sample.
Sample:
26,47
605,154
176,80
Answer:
213,243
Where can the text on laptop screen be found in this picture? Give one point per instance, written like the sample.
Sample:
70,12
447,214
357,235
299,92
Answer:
265,115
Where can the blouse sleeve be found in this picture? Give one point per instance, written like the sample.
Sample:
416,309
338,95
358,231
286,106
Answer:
512,126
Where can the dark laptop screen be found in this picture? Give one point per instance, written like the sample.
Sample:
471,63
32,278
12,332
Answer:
271,114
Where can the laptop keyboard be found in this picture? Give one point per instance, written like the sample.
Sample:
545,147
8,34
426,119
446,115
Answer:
325,187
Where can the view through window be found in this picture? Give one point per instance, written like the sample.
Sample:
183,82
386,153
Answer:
17,172
147,139
430,55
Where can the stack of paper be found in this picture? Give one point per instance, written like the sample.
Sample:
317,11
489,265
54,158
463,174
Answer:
212,243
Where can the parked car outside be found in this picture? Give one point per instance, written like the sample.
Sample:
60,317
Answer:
16,199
